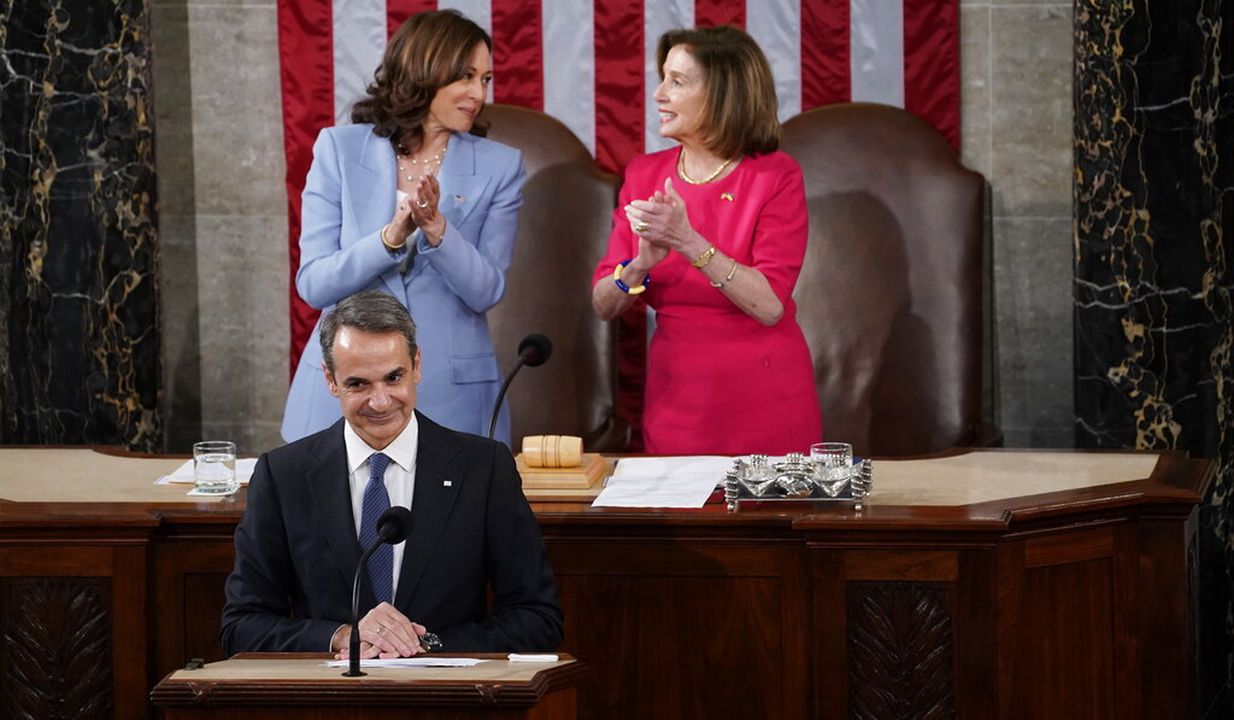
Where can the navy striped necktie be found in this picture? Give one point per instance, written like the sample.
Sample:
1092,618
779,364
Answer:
376,501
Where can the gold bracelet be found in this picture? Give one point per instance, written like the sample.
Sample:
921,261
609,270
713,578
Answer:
702,260
727,278
391,248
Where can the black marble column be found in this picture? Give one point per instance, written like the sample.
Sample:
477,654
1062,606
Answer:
79,333
1154,253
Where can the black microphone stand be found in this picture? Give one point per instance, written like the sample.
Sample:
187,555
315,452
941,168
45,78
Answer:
501,395
533,351
353,642
393,527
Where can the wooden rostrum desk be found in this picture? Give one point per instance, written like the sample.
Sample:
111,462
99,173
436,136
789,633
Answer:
991,584
274,686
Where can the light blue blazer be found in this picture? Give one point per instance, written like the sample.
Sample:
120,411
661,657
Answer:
349,196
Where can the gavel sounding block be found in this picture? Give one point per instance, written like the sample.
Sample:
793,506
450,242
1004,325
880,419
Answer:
584,476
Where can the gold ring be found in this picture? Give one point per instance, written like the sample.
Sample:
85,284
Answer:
641,227
422,203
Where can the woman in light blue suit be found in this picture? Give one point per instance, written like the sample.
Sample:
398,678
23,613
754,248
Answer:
409,202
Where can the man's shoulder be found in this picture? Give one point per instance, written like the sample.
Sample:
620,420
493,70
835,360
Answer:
456,442
434,432
315,446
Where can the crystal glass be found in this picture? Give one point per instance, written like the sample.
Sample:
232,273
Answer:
833,464
759,476
214,467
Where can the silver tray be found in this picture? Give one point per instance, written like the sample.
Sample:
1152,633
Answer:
755,480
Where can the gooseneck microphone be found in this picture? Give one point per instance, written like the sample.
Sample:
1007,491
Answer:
393,527
533,351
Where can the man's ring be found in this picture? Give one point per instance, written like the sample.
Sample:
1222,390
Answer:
641,227
381,631
422,203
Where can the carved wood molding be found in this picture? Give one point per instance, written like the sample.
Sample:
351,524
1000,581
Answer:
56,655
900,651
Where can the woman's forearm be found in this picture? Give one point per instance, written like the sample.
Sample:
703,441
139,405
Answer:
609,300
745,286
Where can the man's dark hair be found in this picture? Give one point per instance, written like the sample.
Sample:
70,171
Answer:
370,311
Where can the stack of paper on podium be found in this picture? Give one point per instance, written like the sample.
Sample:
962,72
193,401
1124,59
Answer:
677,482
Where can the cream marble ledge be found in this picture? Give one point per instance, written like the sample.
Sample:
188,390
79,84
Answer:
994,476
83,476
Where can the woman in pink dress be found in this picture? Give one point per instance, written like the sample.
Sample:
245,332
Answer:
714,231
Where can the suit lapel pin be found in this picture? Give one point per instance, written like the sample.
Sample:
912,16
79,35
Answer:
726,196
447,483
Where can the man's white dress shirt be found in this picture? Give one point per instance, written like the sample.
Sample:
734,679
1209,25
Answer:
400,475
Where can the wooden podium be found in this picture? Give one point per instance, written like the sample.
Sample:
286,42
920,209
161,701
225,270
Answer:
270,686
1016,584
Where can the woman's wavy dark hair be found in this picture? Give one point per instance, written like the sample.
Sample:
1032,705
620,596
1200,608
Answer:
428,51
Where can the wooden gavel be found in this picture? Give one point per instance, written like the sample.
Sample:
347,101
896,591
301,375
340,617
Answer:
553,451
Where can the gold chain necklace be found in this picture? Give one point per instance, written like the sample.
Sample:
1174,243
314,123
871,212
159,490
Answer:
681,170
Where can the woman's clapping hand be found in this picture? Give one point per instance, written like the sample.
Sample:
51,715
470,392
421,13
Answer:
662,221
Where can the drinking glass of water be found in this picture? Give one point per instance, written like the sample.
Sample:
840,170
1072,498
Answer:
214,467
833,464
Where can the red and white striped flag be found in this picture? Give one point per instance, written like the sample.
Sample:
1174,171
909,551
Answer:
591,64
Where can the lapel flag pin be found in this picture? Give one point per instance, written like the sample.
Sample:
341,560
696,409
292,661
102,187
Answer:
726,196
447,483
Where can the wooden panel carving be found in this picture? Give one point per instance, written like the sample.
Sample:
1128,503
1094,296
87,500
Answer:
56,656
900,651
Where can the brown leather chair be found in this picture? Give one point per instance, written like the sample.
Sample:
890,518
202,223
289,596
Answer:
890,294
563,228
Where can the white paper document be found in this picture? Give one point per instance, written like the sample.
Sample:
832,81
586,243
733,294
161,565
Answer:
533,657
410,662
184,473
676,482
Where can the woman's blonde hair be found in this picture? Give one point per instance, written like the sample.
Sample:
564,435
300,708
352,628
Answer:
739,104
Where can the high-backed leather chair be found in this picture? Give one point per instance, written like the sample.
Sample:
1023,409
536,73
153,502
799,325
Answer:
563,229
890,294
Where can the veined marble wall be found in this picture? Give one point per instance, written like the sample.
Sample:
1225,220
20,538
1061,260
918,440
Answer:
1153,312
1154,249
79,313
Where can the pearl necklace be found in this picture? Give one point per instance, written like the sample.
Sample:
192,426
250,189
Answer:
430,165
681,170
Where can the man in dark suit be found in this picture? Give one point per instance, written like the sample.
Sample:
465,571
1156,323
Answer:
313,504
